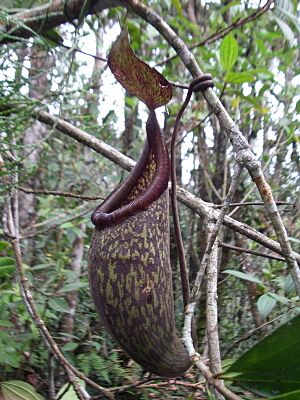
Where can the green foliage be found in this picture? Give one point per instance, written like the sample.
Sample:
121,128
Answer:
18,390
107,369
67,391
229,51
271,367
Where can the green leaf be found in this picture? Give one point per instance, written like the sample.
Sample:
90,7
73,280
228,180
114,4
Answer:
7,262
52,36
289,284
7,266
6,271
70,346
18,390
280,299
244,276
239,77
70,393
178,6
229,51
4,245
295,395
135,76
69,287
265,305
59,305
271,367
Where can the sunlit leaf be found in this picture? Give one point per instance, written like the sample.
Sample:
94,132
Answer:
135,76
178,6
239,77
229,51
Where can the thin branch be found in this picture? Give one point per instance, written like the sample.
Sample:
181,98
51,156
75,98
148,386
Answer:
255,203
249,334
212,313
57,193
253,252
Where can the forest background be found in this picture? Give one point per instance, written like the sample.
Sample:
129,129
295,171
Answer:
69,133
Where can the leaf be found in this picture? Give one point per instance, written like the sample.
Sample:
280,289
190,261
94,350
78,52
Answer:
178,6
289,284
295,395
265,305
59,305
135,76
3,245
7,266
239,77
6,270
69,287
70,346
52,36
286,30
7,261
84,11
244,276
69,394
229,51
19,390
271,367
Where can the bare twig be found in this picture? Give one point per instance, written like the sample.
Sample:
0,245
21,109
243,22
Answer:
254,203
57,193
255,253
249,334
